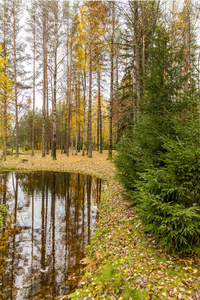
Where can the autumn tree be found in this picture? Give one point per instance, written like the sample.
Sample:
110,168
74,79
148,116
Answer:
93,31
80,58
5,69
10,17
6,97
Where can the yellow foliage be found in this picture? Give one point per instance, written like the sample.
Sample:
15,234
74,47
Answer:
90,31
6,96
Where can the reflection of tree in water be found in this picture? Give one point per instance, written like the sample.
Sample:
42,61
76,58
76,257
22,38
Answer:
54,224
9,245
5,274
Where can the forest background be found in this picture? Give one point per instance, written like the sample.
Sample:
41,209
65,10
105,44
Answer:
110,75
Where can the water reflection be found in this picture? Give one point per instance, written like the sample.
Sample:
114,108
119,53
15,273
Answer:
51,218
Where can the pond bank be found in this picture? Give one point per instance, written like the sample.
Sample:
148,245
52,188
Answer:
98,165
121,262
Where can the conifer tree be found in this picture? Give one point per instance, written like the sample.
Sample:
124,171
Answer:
55,10
70,15
16,10
93,31
32,24
44,50
161,150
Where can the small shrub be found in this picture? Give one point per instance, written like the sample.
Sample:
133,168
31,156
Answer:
27,146
9,152
24,160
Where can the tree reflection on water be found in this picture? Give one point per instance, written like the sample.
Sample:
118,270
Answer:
51,218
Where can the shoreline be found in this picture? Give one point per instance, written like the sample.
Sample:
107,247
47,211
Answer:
97,166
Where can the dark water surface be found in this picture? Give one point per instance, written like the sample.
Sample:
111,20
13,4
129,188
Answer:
51,218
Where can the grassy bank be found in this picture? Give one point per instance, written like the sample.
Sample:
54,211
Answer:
122,262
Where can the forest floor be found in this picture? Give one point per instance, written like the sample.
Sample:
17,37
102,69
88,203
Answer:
98,165
122,262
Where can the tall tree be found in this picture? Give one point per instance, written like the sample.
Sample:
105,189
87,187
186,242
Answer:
44,50
93,31
111,23
70,13
15,13
55,10
5,84
80,57
34,46
112,39
90,81
32,24
99,129
6,95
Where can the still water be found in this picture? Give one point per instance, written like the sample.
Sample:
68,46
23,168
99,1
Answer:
51,218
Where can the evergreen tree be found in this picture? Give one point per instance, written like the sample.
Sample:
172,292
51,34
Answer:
158,160
32,25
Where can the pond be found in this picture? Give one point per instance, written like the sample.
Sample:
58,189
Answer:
51,218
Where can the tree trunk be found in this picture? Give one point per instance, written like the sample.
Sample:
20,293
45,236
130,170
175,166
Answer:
84,111
44,78
98,111
111,82
76,145
164,73
110,108
15,80
55,85
5,100
117,91
4,124
79,117
72,138
47,123
143,39
89,146
199,90
137,53
100,128
164,77
90,103
33,126
68,97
